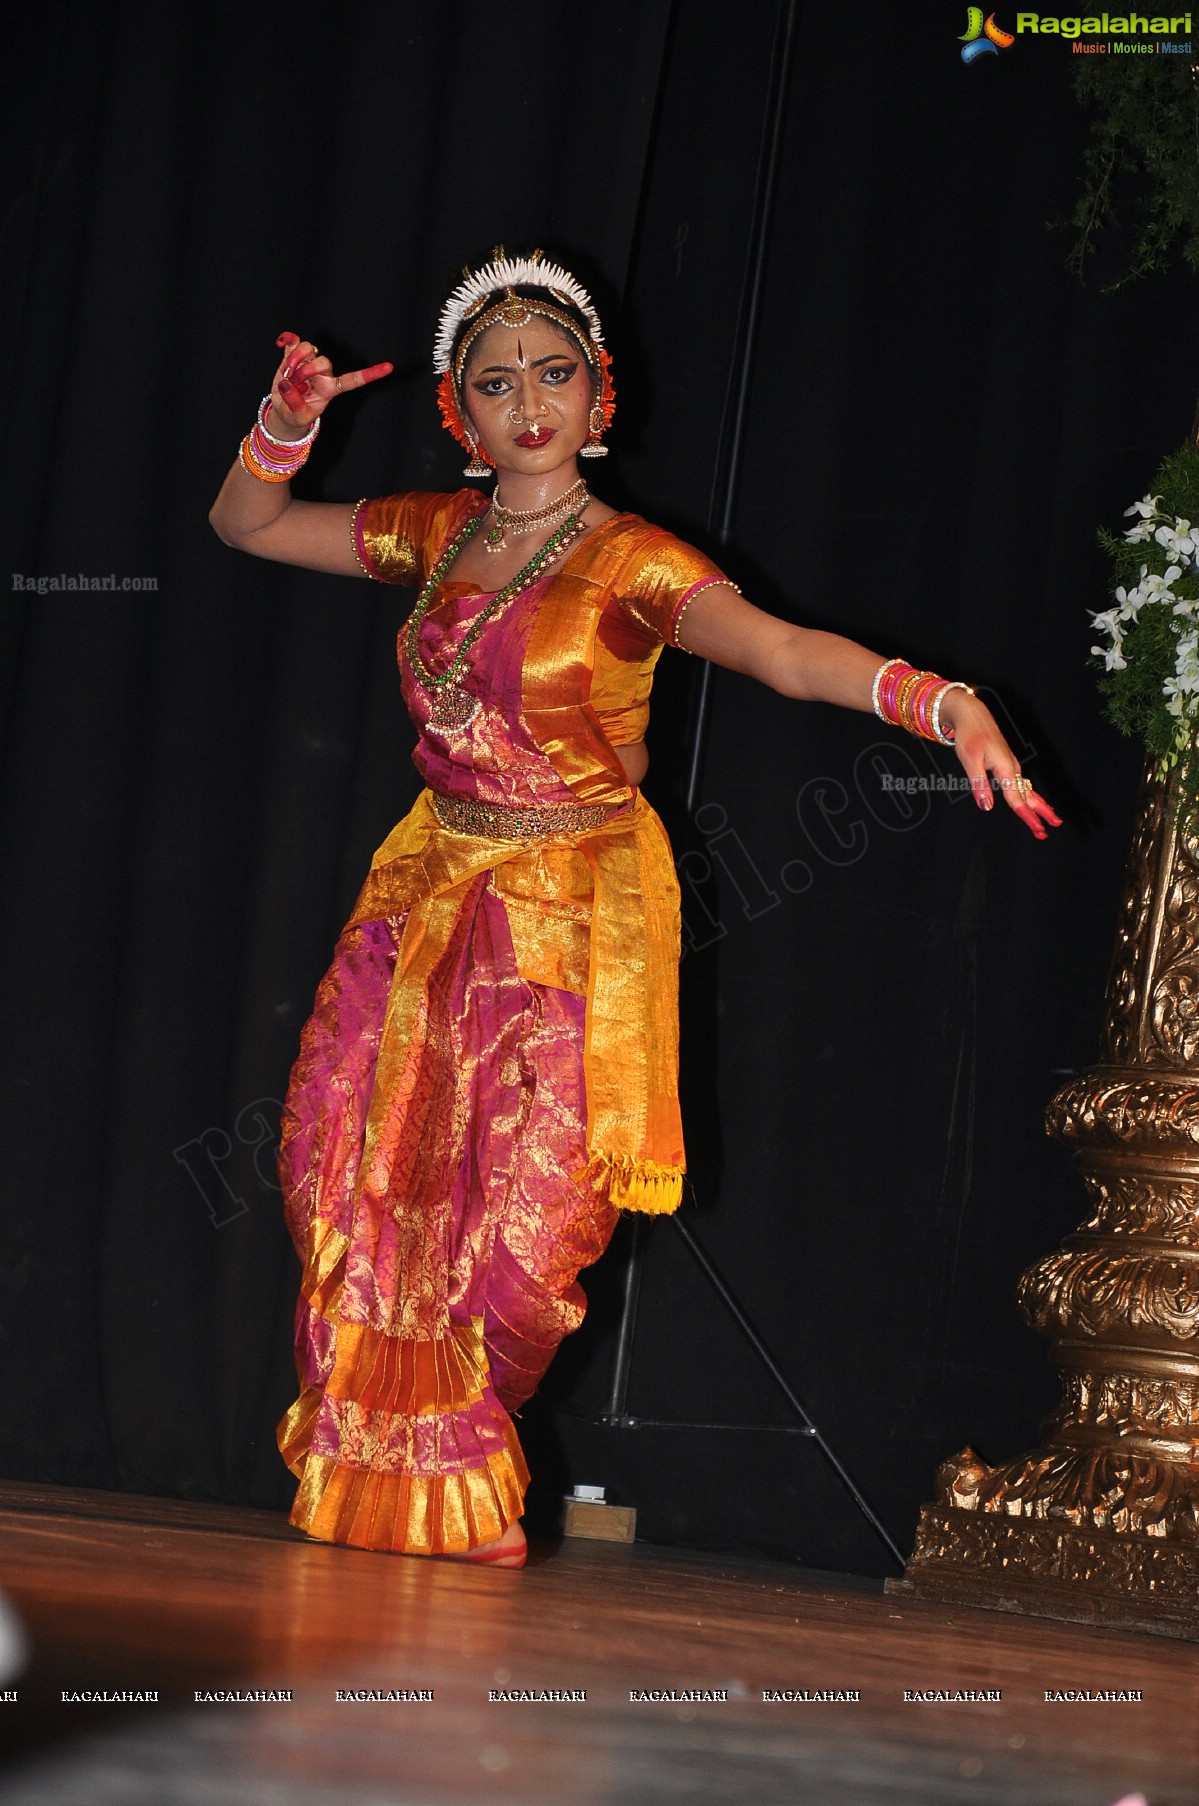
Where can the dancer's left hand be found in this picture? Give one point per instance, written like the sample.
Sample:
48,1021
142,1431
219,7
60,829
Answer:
990,764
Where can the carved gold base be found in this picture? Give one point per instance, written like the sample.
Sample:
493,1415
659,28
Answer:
1100,1525
1054,1571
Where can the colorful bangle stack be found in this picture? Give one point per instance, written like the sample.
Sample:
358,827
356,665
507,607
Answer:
912,699
274,460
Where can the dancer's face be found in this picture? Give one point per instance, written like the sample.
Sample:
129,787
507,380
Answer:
528,392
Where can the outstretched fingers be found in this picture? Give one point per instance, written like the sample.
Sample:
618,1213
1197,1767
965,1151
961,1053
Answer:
1034,812
991,765
305,380
355,379
1023,801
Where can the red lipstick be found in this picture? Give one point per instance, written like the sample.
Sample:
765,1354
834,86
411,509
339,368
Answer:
540,438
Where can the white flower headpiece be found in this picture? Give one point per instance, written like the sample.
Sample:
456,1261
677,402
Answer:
505,272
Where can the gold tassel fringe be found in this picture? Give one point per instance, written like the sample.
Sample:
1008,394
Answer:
630,1184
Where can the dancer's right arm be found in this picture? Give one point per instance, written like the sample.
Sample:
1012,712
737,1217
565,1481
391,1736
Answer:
262,518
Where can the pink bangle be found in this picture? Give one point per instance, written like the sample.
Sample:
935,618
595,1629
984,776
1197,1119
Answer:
274,460
911,699
249,463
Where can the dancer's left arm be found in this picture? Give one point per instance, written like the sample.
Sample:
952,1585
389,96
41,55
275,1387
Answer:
813,666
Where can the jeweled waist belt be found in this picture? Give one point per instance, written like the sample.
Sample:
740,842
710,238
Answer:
465,815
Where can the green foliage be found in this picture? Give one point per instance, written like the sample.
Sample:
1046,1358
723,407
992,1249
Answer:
1145,128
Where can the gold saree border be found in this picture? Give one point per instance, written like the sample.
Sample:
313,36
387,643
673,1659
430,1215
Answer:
379,1506
411,1514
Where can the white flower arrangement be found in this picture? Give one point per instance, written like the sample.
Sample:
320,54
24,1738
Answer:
1148,641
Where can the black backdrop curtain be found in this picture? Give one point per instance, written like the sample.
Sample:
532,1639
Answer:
880,992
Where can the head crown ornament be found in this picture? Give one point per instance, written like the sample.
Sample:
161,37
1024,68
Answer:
505,272
488,295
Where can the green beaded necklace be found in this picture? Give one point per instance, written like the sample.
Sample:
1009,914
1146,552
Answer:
452,706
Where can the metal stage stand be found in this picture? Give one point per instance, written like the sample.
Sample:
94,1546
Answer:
721,509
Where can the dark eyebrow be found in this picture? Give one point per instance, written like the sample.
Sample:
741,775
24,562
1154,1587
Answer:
510,369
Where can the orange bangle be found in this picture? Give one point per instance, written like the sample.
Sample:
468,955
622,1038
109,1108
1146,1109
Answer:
253,468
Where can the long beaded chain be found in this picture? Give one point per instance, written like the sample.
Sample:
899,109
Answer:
452,706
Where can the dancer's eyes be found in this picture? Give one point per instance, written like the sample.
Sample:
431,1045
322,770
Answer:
554,376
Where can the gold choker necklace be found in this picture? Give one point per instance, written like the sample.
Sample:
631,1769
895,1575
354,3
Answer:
520,522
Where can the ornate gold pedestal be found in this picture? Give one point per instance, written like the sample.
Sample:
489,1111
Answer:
1101,1523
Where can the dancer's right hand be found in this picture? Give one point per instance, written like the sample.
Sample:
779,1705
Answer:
304,385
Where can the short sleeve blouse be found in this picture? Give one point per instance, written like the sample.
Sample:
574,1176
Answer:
648,572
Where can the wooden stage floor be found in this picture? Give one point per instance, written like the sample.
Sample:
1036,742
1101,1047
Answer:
125,1594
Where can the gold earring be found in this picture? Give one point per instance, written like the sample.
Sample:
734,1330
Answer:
476,467
595,448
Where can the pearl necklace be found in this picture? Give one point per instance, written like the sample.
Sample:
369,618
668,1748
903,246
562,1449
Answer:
520,522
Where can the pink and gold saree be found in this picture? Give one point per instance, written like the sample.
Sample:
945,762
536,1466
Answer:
490,1071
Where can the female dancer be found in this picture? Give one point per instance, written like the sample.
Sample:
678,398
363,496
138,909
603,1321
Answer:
489,1074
